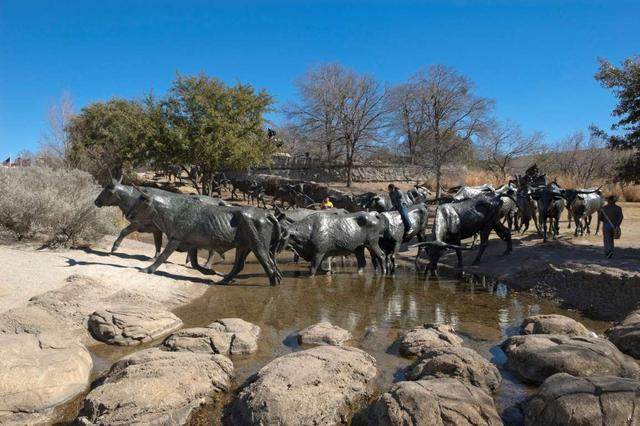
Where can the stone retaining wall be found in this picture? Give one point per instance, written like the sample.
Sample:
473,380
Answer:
362,173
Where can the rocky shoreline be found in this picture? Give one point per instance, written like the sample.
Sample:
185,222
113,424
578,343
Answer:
169,372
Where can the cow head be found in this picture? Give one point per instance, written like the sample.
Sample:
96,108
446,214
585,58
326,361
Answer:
109,194
143,208
546,196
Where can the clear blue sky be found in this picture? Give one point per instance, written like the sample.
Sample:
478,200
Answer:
535,58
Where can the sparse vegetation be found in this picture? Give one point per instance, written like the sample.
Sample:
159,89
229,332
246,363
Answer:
52,206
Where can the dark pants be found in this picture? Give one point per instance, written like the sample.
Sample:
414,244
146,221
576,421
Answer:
404,215
607,234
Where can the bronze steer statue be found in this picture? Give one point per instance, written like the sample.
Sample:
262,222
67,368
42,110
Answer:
188,222
458,220
320,235
124,197
394,234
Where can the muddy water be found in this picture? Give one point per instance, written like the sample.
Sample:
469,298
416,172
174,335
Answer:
375,309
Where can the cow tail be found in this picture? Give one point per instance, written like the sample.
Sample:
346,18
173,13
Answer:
279,235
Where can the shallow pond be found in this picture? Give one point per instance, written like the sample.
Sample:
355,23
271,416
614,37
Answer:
374,308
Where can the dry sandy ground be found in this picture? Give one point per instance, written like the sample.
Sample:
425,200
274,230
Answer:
26,271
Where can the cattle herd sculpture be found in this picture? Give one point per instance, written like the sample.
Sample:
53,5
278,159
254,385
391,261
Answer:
358,222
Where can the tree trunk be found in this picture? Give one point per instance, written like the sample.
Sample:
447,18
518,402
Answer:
438,178
349,168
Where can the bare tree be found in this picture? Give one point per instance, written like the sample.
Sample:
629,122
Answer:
54,144
407,118
339,108
359,108
501,143
315,115
585,160
453,117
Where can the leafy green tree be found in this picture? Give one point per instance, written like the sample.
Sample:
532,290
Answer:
205,123
108,137
624,81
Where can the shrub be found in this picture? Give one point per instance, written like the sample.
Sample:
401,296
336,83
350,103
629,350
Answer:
54,206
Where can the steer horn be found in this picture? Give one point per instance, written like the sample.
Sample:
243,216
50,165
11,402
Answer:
442,245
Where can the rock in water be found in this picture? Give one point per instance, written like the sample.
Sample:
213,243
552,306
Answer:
419,340
626,334
433,402
131,325
459,363
157,387
323,333
322,385
38,372
553,324
600,400
537,356
225,336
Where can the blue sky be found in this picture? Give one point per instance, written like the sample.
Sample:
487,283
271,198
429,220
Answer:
536,59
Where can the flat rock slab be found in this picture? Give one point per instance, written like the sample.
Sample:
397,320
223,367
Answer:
225,336
537,356
153,386
324,333
459,363
553,324
128,325
39,372
599,400
322,385
433,402
626,334
430,336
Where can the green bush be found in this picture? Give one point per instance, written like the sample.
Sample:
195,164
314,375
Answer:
53,206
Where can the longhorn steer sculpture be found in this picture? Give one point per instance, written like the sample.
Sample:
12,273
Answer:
582,204
191,223
394,234
124,197
463,219
320,235
550,204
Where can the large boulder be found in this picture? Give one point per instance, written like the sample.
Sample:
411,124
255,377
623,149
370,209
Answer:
433,402
421,339
225,336
128,325
537,356
460,363
322,385
601,400
37,373
324,333
153,386
553,324
626,334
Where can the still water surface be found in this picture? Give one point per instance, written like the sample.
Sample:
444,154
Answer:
374,309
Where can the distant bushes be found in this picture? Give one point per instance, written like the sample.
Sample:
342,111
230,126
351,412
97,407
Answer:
53,206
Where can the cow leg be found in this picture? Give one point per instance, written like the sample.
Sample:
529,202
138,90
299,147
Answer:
362,262
193,255
238,265
598,225
172,245
505,235
484,242
315,263
587,222
526,226
578,226
268,265
126,231
459,256
157,242
569,218
376,251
